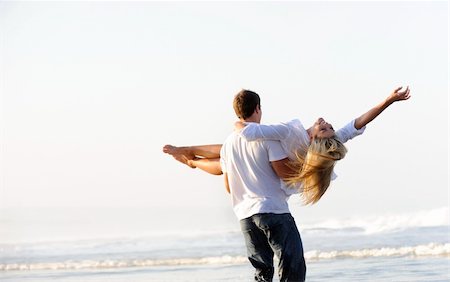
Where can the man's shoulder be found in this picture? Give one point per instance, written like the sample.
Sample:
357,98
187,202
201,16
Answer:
232,136
236,139
230,140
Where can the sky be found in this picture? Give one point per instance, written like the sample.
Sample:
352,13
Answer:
92,91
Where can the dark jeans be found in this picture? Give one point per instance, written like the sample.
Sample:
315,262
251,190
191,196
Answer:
267,234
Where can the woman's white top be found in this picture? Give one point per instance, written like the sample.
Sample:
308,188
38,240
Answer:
293,135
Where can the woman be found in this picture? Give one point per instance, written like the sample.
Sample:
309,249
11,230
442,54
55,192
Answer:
313,152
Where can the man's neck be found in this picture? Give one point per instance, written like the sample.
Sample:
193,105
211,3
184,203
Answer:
251,120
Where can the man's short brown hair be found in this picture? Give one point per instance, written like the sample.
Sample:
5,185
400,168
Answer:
245,103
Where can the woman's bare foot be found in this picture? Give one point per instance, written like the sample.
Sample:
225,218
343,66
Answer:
173,150
169,149
181,154
184,160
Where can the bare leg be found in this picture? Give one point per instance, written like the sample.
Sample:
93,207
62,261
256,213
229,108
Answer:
205,157
211,166
204,151
183,159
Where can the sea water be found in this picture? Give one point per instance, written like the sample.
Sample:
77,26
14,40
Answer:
144,245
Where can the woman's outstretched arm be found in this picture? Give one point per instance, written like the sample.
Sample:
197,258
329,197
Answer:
395,96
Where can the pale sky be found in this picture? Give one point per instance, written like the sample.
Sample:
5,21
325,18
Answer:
91,91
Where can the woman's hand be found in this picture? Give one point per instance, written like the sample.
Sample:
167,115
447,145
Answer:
395,96
398,95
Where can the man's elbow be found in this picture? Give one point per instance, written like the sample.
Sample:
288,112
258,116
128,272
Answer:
281,168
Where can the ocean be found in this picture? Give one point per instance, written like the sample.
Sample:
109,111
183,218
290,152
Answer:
147,245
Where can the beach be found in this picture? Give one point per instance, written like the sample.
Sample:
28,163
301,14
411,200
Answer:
91,92
412,248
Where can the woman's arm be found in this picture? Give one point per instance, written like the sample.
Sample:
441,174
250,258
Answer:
256,131
395,96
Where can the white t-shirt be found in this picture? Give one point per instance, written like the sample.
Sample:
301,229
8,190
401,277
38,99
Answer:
254,186
293,136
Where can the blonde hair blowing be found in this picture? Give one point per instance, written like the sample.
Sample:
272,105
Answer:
314,167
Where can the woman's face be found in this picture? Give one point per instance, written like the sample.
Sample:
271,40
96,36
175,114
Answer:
322,129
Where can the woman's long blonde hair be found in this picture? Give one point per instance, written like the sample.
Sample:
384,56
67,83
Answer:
315,166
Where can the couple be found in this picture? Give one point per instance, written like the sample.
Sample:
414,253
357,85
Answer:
255,157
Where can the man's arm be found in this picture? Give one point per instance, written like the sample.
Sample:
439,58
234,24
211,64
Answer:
282,169
395,96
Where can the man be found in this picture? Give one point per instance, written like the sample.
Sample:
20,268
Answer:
252,173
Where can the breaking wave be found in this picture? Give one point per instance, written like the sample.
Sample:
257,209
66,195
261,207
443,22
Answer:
386,222
431,249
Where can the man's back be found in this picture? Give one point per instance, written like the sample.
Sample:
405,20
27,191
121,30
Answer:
255,188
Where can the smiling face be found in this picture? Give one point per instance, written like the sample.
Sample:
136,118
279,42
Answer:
322,129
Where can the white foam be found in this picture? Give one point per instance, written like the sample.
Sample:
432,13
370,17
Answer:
108,264
431,249
387,222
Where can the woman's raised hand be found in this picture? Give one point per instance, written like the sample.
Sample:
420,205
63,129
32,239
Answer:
399,95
